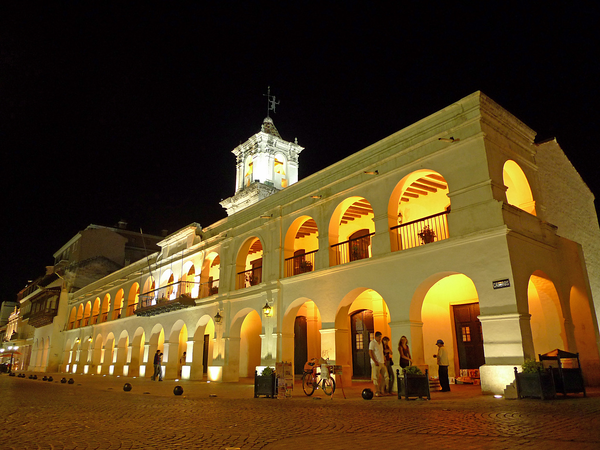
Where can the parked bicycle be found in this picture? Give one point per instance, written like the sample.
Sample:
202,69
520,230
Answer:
312,379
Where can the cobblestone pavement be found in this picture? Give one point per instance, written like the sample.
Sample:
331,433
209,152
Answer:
95,413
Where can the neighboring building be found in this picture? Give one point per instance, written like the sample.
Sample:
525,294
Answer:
446,230
37,326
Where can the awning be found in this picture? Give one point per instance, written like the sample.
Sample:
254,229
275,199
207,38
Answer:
557,353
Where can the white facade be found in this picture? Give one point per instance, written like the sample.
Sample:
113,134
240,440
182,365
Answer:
408,236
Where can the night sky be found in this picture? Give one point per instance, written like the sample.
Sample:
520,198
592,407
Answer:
130,110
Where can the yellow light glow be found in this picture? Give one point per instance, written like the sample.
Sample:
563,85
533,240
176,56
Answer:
215,373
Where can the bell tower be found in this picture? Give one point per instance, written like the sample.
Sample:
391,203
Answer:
265,164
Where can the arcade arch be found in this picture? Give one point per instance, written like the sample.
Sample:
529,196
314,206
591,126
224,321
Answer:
350,229
118,305
518,190
209,276
547,320
248,264
300,246
418,209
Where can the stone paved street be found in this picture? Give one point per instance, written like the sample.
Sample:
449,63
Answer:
95,413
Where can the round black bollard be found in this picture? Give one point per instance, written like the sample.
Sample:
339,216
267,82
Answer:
367,394
35,377
127,387
177,390
30,377
12,374
63,380
50,379
71,381
45,378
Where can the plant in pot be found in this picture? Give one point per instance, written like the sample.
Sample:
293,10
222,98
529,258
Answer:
305,266
265,383
534,381
427,235
413,383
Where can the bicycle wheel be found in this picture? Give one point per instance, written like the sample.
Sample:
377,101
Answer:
307,383
328,385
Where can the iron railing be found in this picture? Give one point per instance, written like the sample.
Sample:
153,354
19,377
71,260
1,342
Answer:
352,249
249,278
165,293
209,288
423,231
300,264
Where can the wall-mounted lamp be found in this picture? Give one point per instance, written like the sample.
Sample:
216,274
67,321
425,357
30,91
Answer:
218,317
90,339
267,310
77,341
316,196
371,172
450,139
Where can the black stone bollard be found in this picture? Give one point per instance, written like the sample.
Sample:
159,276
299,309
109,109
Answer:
177,390
127,387
367,394
63,380
71,381
45,378
50,379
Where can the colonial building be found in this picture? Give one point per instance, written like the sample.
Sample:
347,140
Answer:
459,227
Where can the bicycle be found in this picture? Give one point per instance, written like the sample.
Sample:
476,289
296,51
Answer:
311,380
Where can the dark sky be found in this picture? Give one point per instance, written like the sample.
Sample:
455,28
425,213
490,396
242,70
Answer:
130,111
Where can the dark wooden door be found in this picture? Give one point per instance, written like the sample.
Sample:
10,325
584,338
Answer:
300,344
362,333
469,337
205,354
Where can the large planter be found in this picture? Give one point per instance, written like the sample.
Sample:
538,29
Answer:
410,385
265,385
535,385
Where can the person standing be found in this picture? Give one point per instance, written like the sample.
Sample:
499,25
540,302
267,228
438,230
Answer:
389,362
160,357
404,351
442,360
378,369
156,363
181,363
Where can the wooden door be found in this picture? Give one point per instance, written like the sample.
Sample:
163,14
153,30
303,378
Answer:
363,331
300,345
469,338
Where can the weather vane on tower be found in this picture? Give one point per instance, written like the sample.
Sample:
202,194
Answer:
271,103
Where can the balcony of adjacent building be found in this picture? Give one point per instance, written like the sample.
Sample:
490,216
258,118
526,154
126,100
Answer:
43,308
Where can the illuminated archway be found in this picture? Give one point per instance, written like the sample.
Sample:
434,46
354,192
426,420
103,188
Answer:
118,306
248,264
585,336
72,318
87,313
547,320
133,299
136,366
96,311
350,230
202,355
177,346
518,190
300,246
446,306
209,276
105,308
417,210
250,344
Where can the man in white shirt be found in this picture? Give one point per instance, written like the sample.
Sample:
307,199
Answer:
378,369
443,363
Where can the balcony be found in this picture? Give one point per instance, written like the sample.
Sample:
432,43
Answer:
209,288
423,231
168,298
42,317
300,264
352,249
249,278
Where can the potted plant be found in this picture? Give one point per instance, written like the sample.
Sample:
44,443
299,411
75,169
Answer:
427,235
534,382
265,383
305,266
413,383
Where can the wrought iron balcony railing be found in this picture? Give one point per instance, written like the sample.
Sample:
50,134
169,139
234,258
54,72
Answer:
352,249
300,264
423,231
249,278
